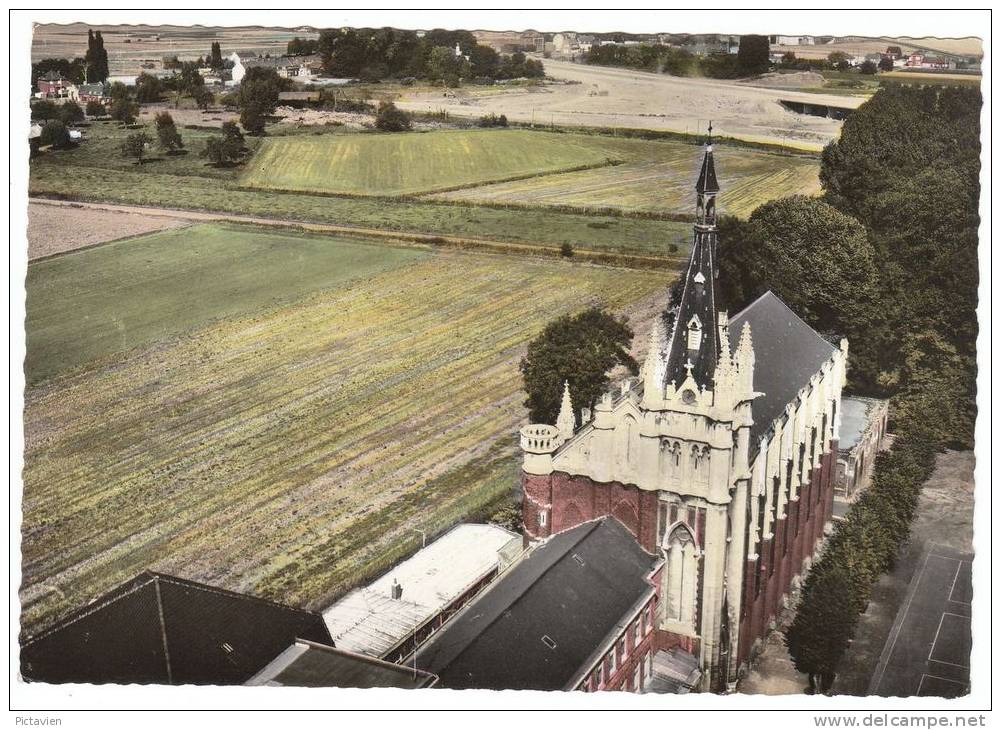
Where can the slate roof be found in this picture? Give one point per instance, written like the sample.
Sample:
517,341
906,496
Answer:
165,630
707,182
787,353
573,589
698,299
306,664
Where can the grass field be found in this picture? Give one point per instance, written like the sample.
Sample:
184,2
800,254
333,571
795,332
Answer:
57,177
659,176
126,294
287,450
417,162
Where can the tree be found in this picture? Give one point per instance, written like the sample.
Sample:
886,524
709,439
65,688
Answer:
885,64
44,109
824,623
124,110
215,56
818,260
868,68
96,58
168,138
839,60
148,89
135,146
54,133
75,70
70,113
226,149
444,67
258,97
390,118
752,54
202,96
96,109
579,349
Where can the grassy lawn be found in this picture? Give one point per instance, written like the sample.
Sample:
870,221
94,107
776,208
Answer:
287,451
53,176
91,304
659,176
407,164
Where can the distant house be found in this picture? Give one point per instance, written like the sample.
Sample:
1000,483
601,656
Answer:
301,68
54,85
577,613
411,602
85,93
863,435
158,629
894,52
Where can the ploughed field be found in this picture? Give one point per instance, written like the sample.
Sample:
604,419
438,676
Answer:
270,412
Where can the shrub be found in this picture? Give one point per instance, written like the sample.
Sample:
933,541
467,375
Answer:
390,118
566,251
70,113
54,133
168,138
96,109
135,146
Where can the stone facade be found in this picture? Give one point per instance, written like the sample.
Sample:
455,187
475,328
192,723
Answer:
732,489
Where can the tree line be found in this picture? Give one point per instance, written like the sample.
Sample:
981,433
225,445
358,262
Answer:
751,59
375,54
887,257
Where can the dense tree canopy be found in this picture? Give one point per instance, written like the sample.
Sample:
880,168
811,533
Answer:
96,59
74,70
379,53
578,349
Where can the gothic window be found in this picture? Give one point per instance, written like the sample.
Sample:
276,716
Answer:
694,333
700,464
627,433
682,575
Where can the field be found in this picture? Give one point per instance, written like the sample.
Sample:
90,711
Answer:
659,177
96,171
126,294
52,232
287,449
614,97
413,163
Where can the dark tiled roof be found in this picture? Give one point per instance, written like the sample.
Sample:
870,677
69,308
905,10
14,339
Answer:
572,589
305,664
698,298
787,353
707,182
161,629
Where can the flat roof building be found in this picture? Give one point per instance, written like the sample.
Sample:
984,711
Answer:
409,603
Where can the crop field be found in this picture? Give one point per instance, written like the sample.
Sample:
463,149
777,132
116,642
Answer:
288,449
659,176
126,294
537,226
417,162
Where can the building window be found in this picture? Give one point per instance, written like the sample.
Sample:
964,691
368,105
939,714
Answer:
596,677
620,651
636,634
610,664
682,570
649,621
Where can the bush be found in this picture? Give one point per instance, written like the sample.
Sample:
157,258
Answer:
135,146
70,113
168,138
492,120
389,118
566,251
44,109
54,133
96,109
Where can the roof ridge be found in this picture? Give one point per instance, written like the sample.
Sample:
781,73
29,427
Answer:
226,592
791,311
594,524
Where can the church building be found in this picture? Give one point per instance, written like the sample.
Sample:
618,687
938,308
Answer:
718,459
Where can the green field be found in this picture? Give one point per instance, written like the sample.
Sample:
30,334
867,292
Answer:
416,162
125,294
287,449
659,177
537,226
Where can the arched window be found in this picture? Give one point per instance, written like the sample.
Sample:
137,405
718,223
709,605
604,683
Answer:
682,575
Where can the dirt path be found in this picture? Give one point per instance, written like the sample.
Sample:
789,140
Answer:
480,244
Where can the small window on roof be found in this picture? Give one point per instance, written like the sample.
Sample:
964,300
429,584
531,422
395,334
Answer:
548,642
226,647
579,559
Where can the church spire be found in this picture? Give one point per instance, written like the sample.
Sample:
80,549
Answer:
694,348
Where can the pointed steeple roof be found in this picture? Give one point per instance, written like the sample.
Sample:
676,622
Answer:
694,346
707,182
566,421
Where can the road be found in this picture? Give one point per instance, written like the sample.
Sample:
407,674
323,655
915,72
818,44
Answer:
612,97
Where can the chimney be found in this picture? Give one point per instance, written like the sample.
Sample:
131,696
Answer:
396,590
